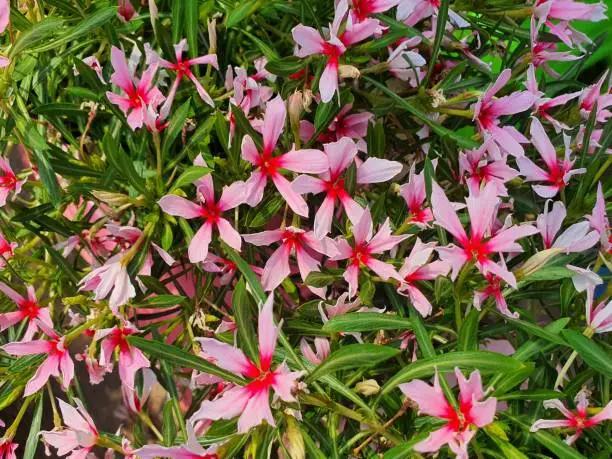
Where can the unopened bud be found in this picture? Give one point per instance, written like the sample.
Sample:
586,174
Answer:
296,105
112,199
212,36
293,439
307,99
396,188
536,262
367,387
348,71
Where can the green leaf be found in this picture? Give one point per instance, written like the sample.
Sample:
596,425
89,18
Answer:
536,330
468,335
245,319
508,450
191,16
323,278
38,32
180,358
367,321
168,425
240,13
267,51
256,289
376,139
533,394
60,261
161,301
422,116
60,109
440,30
353,356
243,124
485,361
91,22
549,273
591,353
286,66
177,122
123,163
29,452
39,147
260,215
190,175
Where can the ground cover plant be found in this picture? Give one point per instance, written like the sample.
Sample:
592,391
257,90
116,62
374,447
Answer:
305,228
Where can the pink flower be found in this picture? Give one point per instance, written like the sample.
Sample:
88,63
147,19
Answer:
225,268
364,247
95,370
126,11
543,52
321,352
342,306
190,450
411,12
305,245
584,279
231,196
80,435
7,250
113,276
354,126
131,359
135,400
406,65
591,95
577,420
27,309
576,238
542,105
7,449
494,289
182,68
267,166
363,9
598,318
599,220
414,193
58,359
8,182
480,171
417,268
479,246
569,10
559,171
340,155
139,94
488,110
250,402
473,412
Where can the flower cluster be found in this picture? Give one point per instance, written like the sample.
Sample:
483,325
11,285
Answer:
294,228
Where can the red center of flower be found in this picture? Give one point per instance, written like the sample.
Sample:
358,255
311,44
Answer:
361,254
30,309
8,181
210,211
417,212
362,9
459,421
182,68
335,187
268,164
292,239
475,249
333,53
555,175
117,338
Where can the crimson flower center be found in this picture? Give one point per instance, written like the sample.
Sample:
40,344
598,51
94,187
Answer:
8,181
361,254
30,309
268,165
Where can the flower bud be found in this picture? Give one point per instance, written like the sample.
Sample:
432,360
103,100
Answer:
212,36
307,99
367,387
348,71
296,105
293,439
112,199
536,262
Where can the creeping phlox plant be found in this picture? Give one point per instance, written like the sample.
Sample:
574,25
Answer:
305,229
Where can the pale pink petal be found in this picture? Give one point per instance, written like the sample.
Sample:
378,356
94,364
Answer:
604,415
419,301
430,399
435,440
256,411
254,188
232,196
351,276
276,268
324,216
9,319
308,40
353,210
455,257
377,170
12,294
285,382
264,238
229,234
444,213
384,270
383,240
267,333
304,161
66,366
121,76
179,207
504,241
550,424
229,405
328,83
546,191
304,184
50,367
198,247
228,357
201,91
294,200
340,154
482,210
274,122
5,13
249,150
29,348
362,231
